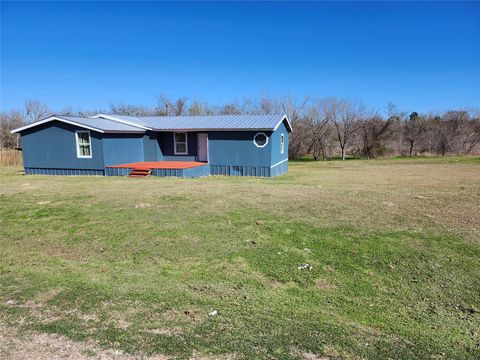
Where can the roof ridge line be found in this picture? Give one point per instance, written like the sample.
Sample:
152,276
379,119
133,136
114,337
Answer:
189,115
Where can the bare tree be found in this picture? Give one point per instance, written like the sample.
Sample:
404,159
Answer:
345,117
321,127
467,132
318,118
130,110
164,106
414,131
35,110
200,108
375,131
230,109
180,106
8,122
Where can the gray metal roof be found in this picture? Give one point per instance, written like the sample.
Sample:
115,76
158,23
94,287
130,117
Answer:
211,122
132,119
103,124
130,124
100,125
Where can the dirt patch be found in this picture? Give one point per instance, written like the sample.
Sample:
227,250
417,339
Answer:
53,347
48,295
122,324
322,284
307,355
170,315
197,356
88,317
165,331
193,316
311,356
190,315
142,206
280,285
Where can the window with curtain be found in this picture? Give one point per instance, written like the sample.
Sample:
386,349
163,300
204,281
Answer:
84,146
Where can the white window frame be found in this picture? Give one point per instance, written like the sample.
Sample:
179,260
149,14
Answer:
282,143
266,142
80,156
180,142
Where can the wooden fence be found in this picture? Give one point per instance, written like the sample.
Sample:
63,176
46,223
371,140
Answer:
10,157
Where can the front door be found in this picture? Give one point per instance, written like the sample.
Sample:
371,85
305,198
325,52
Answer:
202,147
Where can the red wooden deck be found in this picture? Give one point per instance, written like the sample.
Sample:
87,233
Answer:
149,165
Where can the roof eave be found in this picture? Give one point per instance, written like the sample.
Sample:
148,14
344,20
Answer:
124,131
54,118
212,129
284,118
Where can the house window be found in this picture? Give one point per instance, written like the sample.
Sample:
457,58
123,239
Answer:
282,143
84,145
180,143
260,140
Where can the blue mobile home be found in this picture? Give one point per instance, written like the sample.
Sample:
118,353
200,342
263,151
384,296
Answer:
186,146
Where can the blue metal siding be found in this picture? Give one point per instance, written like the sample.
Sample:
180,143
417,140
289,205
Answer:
277,156
165,140
53,146
122,148
236,148
180,158
279,169
151,147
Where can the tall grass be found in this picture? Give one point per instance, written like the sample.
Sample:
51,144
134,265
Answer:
10,157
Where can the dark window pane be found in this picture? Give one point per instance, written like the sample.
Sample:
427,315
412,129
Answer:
181,148
180,137
260,139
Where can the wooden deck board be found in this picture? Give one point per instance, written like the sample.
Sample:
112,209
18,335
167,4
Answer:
148,165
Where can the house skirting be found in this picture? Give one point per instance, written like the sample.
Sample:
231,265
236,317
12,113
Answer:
195,172
116,171
44,171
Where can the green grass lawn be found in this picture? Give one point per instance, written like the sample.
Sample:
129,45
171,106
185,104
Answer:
135,266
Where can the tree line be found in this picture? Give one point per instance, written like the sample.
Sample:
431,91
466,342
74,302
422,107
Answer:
322,128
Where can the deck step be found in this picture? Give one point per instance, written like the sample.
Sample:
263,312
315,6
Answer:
140,173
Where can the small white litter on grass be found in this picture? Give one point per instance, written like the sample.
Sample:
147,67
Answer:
305,267
43,202
213,313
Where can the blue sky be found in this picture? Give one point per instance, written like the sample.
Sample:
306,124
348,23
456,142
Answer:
421,56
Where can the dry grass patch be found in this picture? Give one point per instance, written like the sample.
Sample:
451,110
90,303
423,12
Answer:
31,345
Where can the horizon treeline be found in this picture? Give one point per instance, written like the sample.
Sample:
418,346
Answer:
323,128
